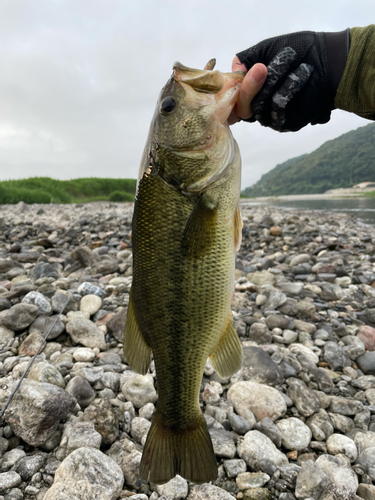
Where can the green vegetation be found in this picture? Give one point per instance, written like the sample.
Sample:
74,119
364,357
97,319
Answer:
47,190
370,194
339,163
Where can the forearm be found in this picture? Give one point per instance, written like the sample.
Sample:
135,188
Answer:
356,91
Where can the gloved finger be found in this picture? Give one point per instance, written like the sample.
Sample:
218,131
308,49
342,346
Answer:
294,82
281,65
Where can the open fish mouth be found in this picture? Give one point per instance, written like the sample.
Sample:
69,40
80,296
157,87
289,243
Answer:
221,88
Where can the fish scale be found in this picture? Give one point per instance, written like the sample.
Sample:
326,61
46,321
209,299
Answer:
183,275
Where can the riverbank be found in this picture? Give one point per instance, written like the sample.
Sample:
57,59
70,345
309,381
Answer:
297,421
328,195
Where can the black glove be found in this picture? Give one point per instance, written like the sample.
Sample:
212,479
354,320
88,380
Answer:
304,72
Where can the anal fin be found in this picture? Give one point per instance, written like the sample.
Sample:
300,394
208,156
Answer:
136,350
227,355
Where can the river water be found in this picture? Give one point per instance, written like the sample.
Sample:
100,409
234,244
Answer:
362,208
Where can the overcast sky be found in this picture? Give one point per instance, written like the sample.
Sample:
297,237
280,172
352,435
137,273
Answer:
79,79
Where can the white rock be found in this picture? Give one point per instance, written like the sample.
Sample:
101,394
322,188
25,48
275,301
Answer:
257,447
296,435
262,400
84,354
176,488
343,477
139,390
90,304
338,443
87,474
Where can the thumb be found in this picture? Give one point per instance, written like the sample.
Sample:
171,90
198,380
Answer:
251,85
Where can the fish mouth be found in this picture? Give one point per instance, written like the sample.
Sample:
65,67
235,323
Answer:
221,88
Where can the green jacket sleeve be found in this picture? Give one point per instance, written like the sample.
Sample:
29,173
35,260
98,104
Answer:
356,91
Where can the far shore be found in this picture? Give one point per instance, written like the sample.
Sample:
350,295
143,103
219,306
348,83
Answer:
328,195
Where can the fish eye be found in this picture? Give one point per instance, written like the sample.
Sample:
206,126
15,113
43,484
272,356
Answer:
168,105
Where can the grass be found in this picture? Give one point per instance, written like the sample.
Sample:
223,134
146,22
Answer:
370,194
47,190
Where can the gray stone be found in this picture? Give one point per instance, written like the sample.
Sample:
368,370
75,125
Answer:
335,356
30,465
247,480
87,288
117,324
364,440
366,491
209,492
12,457
38,299
80,388
64,301
128,457
261,400
77,435
366,363
337,443
43,324
234,467
105,420
257,365
45,372
341,423
139,390
277,321
139,428
295,434
259,333
365,382
6,336
262,278
320,425
85,332
345,406
304,398
275,299
31,344
256,448
223,443
20,316
240,424
37,409
87,474
344,481
176,488
311,481
367,458
267,427
9,480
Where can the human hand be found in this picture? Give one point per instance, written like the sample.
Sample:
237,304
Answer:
304,71
250,86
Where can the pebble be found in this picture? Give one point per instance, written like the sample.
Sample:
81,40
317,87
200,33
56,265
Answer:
304,308
87,473
295,434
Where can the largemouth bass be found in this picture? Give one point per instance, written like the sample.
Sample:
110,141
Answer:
186,230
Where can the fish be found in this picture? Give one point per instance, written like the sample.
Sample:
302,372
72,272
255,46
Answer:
186,229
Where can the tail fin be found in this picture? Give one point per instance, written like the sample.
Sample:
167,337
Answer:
188,453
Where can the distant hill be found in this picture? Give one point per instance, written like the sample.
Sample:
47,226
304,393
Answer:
339,163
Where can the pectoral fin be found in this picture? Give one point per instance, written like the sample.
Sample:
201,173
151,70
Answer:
227,355
201,229
238,225
136,350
